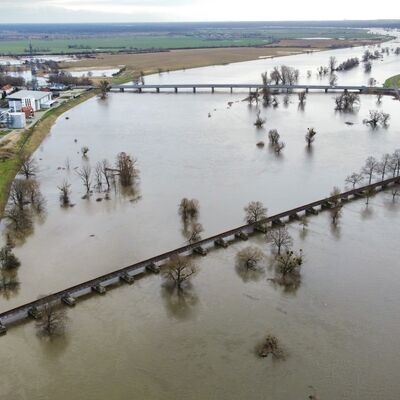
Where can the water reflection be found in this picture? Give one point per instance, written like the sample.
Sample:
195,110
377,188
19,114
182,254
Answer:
181,304
9,284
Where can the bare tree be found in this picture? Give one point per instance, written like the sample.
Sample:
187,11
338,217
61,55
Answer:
383,165
273,137
369,192
126,167
255,212
193,232
286,99
289,263
354,179
370,167
271,346
278,147
65,191
395,193
379,97
29,166
259,121
377,118
84,151
280,238
250,257
178,270
106,172
104,87
26,192
85,174
98,174
346,101
332,63
52,320
310,136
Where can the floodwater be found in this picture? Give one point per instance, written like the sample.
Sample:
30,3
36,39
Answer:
339,328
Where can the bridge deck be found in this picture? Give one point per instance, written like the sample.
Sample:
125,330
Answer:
21,312
231,86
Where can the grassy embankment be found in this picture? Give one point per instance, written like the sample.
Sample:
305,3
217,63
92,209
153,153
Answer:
393,81
28,142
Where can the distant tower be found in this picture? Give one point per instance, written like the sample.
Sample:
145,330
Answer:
33,68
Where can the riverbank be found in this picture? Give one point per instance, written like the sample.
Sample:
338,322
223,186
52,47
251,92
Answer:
27,142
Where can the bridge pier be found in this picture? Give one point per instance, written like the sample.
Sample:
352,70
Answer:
158,90
212,89
194,89
127,278
311,211
176,90
293,217
221,242
200,250
307,90
152,267
261,228
99,288
326,90
231,89
121,89
69,300
241,235
140,90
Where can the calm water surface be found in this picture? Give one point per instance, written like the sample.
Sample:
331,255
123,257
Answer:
340,327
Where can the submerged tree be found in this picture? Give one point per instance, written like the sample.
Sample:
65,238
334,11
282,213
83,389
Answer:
52,320
279,238
288,265
65,191
126,169
259,121
104,87
255,212
250,257
29,166
85,173
273,137
377,118
354,179
346,101
193,232
271,346
178,270
278,147
369,168
310,136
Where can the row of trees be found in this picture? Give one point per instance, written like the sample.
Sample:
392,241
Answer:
103,177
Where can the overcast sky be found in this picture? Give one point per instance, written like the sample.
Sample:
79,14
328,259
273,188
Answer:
190,10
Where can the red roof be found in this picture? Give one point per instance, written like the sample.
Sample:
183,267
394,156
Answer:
6,87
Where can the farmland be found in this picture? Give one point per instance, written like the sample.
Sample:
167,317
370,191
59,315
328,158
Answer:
100,41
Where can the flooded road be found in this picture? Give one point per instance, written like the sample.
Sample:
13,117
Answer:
339,328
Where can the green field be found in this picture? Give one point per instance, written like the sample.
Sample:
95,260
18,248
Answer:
394,81
197,39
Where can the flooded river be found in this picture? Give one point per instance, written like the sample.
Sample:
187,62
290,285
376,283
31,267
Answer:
339,328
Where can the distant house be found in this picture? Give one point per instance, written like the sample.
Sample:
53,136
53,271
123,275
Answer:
30,98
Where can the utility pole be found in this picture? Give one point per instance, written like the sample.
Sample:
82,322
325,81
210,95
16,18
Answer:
33,68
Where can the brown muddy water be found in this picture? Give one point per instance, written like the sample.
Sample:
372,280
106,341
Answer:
340,328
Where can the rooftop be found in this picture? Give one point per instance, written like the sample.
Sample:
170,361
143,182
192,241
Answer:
23,94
